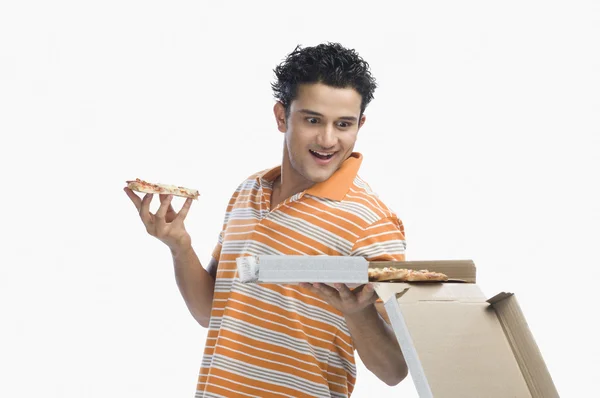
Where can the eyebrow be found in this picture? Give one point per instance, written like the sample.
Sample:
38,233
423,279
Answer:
313,113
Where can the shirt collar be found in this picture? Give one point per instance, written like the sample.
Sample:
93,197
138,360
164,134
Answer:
334,188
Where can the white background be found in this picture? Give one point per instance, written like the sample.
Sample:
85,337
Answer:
484,137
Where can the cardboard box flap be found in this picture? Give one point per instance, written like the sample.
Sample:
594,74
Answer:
499,297
455,349
463,270
524,347
430,292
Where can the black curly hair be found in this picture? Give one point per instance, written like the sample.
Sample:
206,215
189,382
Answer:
328,63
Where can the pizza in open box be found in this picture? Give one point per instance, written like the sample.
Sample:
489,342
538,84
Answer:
405,275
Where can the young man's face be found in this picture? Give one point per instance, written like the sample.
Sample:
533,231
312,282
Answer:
320,131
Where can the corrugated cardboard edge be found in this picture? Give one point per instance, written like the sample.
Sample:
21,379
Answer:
525,349
408,348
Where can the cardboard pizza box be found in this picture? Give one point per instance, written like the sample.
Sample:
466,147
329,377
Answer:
457,342
337,269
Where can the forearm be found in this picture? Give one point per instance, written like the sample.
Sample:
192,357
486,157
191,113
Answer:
195,284
377,345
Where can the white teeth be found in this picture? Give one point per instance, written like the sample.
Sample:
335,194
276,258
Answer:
323,154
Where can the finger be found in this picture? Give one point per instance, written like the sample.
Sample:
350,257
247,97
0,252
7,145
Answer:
307,286
145,207
345,293
184,209
367,293
326,290
313,287
161,212
134,198
165,202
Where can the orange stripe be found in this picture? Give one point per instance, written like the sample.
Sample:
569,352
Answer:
323,221
290,237
234,382
250,315
349,220
268,361
279,315
314,365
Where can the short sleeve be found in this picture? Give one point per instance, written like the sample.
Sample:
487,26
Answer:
383,240
216,253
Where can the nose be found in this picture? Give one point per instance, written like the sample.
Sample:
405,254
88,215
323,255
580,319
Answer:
326,137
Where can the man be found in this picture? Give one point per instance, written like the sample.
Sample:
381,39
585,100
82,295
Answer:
285,340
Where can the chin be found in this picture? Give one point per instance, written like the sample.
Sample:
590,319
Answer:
319,177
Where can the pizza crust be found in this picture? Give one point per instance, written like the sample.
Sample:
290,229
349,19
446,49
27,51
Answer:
405,275
164,189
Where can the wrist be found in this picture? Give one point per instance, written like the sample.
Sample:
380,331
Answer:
181,250
365,315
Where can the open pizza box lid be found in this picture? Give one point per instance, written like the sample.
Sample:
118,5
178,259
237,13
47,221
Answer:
459,344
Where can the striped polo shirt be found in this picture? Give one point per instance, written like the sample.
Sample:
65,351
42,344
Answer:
277,340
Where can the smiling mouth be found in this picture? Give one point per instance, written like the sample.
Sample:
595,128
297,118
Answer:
322,155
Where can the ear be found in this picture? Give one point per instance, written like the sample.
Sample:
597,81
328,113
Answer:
279,112
362,121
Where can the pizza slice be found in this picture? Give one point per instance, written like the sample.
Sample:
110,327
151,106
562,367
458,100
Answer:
426,276
405,275
147,187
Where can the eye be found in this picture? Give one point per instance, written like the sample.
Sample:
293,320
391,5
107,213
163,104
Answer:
312,120
344,125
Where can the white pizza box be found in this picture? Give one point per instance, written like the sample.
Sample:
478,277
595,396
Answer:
295,269
459,344
456,342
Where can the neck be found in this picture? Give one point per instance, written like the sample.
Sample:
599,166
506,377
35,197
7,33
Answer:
285,188
289,182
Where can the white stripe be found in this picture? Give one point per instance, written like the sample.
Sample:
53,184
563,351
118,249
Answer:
251,225
376,235
278,354
242,384
331,214
262,320
308,386
376,253
255,248
239,233
311,231
328,222
318,374
293,239
278,338
306,295
248,200
290,357
374,207
284,301
296,321
380,224
356,209
279,242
